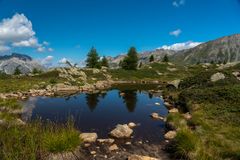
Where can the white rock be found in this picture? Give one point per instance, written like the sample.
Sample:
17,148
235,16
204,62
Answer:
174,110
131,125
93,152
113,147
121,131
88,137
170,135
109,140
156,116
217,76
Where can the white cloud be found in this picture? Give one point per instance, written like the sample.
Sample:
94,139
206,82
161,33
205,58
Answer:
178,3
4,48
50,49
47,61
176,33
17,31
181,46
41,49
63,60
32,42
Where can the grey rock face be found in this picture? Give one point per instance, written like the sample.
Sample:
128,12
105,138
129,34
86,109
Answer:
225,49
24,63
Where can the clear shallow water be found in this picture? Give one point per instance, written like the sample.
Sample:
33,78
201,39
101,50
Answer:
102,112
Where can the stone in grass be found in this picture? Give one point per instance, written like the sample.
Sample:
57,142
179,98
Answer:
174,110
170,135
88,137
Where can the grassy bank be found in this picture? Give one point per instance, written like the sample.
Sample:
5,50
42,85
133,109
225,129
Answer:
33,140
36,140
213,131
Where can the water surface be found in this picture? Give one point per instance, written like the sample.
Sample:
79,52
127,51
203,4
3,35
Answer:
101,112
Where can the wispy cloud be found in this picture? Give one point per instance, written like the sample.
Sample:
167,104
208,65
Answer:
178,3
175,33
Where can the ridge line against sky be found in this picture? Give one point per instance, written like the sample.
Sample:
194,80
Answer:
53,31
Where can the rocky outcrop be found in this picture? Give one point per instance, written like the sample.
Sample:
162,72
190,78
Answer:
62,88
121,131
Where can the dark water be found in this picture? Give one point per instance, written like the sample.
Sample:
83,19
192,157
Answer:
102,112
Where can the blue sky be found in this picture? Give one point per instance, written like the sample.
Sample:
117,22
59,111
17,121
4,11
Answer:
69,28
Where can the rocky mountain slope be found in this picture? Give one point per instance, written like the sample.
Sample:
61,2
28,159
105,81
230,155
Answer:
8,63
225,49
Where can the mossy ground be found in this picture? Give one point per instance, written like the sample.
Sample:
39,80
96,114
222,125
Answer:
213,132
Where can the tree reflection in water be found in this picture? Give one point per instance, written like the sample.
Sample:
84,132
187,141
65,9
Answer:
92,101
130,99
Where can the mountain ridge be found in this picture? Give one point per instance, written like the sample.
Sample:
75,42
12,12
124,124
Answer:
25,63
221,50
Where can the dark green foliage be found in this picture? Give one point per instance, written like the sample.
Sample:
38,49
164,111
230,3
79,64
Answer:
120,63
53,81
151,59
165,58
36,71
130,62
202,79
104,62
17,71
93,59
140,65
3,75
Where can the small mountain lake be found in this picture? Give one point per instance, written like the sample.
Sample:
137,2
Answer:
101,112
